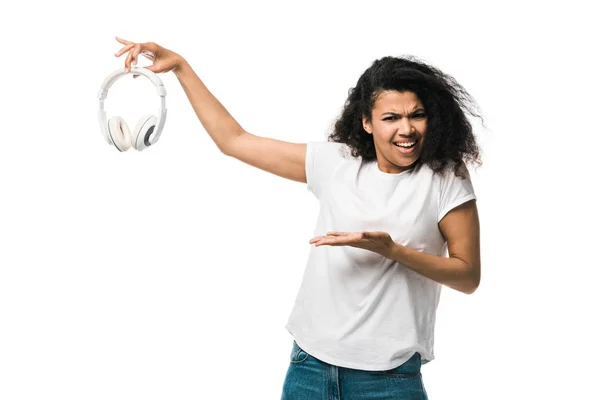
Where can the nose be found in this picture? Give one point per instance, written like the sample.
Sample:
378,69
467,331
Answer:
405,127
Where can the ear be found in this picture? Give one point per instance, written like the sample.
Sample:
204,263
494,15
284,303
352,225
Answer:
367,125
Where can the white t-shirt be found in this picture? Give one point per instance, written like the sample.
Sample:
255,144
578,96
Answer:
356,308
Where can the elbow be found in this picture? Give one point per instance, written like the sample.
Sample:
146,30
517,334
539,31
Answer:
472,280
225,149
229,146
471,288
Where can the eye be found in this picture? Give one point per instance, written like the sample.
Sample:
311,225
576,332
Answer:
389,118
419,115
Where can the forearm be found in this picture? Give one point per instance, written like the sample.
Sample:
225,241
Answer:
215,119
450,271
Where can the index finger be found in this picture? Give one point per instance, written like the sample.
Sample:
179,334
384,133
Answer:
122,40
125,49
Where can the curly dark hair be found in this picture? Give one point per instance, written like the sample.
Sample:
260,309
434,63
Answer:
449,140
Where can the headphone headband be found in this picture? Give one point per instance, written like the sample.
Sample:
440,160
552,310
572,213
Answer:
116,75
119,73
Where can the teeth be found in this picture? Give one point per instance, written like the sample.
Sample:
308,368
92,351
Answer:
405,144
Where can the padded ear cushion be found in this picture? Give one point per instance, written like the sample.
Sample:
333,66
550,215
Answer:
143,131
119,133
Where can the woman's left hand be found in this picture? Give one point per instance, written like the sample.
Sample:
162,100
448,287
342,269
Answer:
379,242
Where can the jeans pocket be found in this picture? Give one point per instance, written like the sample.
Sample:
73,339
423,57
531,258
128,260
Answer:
298,355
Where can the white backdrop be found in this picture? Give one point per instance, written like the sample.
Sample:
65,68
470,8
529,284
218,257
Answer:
170,273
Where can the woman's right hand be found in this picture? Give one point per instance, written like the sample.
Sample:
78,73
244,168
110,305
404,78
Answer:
164,60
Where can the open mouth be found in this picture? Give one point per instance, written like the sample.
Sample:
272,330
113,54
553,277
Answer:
406,147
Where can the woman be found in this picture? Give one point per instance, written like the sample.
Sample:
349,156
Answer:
395,196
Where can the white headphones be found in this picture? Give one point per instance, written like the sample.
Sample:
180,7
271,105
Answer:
148,129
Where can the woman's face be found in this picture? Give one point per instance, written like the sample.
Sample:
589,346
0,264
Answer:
397,118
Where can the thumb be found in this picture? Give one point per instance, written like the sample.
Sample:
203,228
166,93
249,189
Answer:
154,68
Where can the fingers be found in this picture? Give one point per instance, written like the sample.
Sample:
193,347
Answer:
129,58
122,40
330,236
349,235
133,50
329,240
323,239
148,54
124,49
134,54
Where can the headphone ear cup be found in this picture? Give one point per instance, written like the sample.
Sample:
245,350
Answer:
119,133
143,131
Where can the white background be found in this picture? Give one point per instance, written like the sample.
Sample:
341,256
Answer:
170,273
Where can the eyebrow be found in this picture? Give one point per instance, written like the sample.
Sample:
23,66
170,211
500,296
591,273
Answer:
412,112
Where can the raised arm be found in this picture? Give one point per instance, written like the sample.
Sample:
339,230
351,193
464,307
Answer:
275,156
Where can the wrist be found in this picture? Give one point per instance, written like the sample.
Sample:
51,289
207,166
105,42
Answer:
392,252
397,252
181,66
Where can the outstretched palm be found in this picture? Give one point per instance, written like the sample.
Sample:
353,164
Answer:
379,242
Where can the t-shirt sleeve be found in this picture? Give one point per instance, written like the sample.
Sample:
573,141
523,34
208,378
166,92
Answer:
454,191
321,160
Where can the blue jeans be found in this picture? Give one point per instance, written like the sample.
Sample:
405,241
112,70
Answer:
308,378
